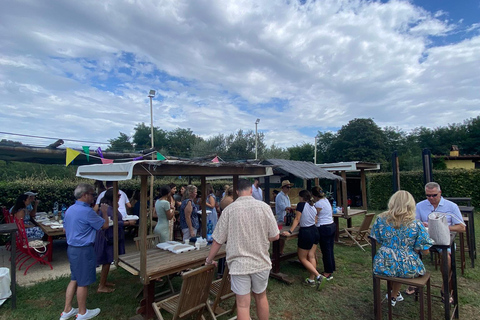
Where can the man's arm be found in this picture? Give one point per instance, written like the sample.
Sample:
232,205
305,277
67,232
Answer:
457,228
213,252
274,238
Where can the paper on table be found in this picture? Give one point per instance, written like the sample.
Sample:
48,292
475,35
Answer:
181,248
130,217
168,244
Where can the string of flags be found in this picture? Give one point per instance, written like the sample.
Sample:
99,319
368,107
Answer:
72,154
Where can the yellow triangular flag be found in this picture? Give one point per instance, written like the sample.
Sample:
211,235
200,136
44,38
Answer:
71,154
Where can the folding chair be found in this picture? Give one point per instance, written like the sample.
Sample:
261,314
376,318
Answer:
192,300
222,291
152,241
27,251
361,233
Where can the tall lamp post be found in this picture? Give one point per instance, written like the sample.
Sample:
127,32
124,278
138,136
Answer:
151,94
256,139
315,152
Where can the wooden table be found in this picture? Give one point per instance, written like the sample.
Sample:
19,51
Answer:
350,214
161,263
277,258
50,232
12,229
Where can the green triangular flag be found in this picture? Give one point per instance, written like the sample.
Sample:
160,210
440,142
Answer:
160,157
86,149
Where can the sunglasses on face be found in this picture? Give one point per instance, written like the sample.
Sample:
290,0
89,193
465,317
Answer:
431,195
288,187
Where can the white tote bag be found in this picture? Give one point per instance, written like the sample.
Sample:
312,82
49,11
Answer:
4,285
438,227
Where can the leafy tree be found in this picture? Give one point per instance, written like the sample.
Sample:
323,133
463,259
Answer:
120,144
359,140
242,145
324,141
142,140
302,152
180,141
213,145
274,152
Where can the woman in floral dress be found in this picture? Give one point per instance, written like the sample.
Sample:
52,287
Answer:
402,238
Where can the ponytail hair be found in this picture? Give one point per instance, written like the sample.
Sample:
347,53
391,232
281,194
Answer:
306,196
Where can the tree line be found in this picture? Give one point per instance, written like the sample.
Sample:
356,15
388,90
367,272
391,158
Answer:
359,140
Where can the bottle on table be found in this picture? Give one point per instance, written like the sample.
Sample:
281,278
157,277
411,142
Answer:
64,208
209,232
334,206
55,210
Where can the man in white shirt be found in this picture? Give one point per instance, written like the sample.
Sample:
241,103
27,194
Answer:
123,202
256,190
247,226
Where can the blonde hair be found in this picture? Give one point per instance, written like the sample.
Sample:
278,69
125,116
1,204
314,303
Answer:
401,209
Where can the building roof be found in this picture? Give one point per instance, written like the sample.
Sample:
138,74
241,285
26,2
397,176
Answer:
473,157
126,170
349,166
300,169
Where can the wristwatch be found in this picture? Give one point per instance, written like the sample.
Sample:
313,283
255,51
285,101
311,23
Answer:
289,231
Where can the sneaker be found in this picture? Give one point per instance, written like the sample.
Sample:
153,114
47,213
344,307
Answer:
68,315
330,277
394,301
309,283
91,313
320,282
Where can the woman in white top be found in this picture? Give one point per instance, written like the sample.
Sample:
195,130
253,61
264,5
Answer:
305,213
326,230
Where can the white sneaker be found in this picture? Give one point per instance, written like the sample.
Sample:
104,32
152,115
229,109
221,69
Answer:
67,315
91,313
395,300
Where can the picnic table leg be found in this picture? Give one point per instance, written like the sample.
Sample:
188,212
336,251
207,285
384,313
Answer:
145,308
50,249
446,287
276,256
454,283
337,233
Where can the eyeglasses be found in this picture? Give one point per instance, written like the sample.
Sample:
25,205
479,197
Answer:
93,194
431,195
288,187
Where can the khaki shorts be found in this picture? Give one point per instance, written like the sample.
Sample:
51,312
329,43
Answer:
243,284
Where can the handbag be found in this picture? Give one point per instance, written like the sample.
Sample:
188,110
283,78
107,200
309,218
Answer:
38,245
438,227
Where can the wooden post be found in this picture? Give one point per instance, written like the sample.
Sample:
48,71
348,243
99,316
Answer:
235,184
203,181
115,222
344,195
363,187
142,232
267,189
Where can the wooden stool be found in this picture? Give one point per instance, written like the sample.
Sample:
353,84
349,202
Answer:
419,283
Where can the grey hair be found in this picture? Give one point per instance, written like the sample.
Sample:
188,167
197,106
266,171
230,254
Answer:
189,189
81,189
433,185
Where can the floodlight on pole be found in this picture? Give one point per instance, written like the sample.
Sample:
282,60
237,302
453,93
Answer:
151,94
256,139
315,152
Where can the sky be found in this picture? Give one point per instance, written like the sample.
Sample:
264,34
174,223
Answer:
82,70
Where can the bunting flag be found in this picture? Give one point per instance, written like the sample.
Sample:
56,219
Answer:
86,149
99,152
160,156
215,160
71,154
138,158
106,161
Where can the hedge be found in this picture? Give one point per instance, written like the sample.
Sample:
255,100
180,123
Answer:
51,190
454,183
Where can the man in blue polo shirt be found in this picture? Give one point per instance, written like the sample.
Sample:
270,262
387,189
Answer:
81,224
436,203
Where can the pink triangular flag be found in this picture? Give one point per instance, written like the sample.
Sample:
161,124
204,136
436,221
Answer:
106,161
215,160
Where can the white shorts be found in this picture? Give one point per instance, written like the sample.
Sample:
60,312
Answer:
243,284
186,234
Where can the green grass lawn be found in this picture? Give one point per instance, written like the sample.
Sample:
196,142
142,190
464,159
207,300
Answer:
348,296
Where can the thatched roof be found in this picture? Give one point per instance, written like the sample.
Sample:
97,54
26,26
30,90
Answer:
300,169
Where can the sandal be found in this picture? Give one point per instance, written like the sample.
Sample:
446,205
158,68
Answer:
443,298
411,290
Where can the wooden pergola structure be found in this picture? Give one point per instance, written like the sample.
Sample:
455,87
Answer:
125,171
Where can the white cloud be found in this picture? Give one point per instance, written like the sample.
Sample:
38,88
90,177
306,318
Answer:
83,69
